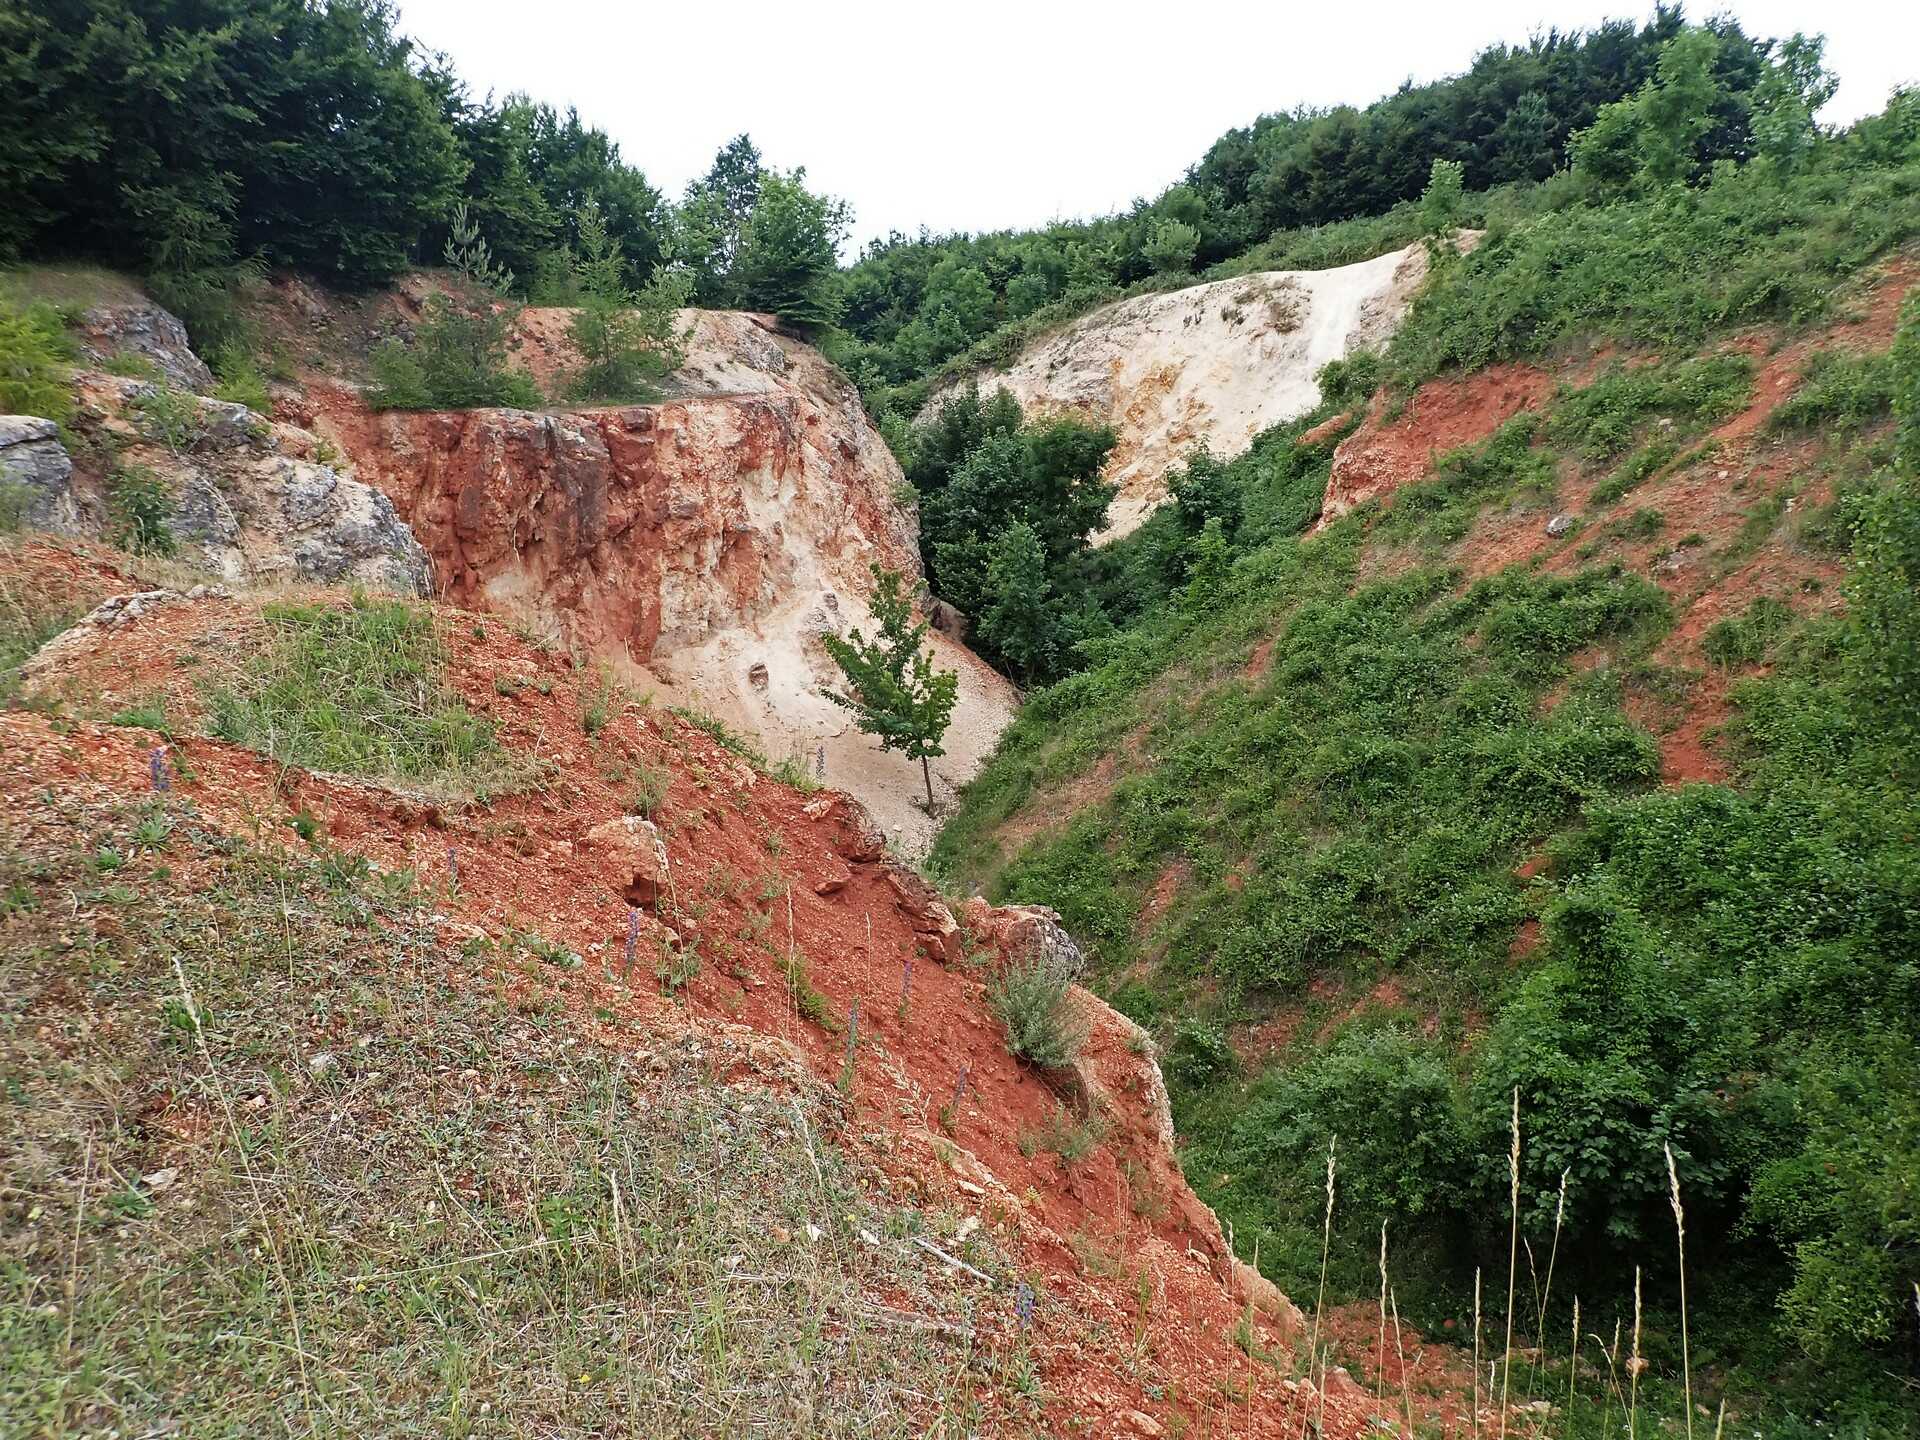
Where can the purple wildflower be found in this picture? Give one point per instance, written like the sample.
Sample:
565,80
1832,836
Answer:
1023,1304
633,940
157,774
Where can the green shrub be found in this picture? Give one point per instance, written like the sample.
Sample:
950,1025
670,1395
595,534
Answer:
1390,1099
1745,639
1030,997
626,340
1601,420
1838,390
140,512
1757,244
35,352
240,380
170,417
133,365
210,300
1642,465
458,356
1199,1053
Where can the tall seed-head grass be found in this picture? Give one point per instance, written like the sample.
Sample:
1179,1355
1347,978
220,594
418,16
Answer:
1380,1345
1320,1297
1635,1363
1680,1236
1476,1351
1573,1365
1513,1258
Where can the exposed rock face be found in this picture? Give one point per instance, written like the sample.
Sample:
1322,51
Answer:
246,499
705,543
32,458
1210,365
637,857
145,330
1028,930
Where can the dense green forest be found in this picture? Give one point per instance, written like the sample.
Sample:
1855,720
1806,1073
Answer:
182,138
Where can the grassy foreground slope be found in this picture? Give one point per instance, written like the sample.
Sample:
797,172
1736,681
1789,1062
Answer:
295,1166
1382,825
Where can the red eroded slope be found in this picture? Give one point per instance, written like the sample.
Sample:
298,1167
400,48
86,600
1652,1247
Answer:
1138,1294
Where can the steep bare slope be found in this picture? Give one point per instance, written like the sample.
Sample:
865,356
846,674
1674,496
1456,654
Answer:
700,545
1209,365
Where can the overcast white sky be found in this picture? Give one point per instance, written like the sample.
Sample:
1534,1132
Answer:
989,114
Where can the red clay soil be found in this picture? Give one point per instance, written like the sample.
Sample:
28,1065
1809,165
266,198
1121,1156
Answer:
70,575
1384,454
1709,503
764,868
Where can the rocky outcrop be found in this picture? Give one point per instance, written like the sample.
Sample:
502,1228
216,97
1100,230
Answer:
701,545
1210,365
110,332
35,464
244,498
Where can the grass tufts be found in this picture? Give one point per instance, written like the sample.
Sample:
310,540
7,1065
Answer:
359,689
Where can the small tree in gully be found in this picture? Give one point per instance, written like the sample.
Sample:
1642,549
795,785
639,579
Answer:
892,689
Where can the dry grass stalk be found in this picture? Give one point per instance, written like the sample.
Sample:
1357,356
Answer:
1476,1352
1380,1348
1680,1233
1635,1364
1546,1294
1513,1258
1406,1395
1320,1300
1573,1363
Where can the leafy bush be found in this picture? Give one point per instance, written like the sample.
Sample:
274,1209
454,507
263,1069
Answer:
1838,389
170,416
140,512
1199,1053
1600,420
1745,639
1030,996
625,340
239,377
34,355
458,357
1755,244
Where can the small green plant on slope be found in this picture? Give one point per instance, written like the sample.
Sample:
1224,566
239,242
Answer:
459,356
359,689
140,507
170,416
239,377
1031,997
626,340
34,355
893,689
